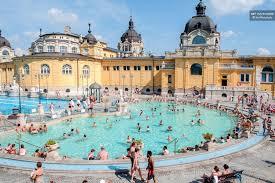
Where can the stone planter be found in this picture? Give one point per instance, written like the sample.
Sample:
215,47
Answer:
52,147
246,134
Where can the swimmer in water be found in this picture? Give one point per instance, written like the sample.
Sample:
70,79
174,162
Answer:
107,120
138,125
169,138
141,112
129,140
147,118
160,123
192,122
94,125
169,128
77,131
148,129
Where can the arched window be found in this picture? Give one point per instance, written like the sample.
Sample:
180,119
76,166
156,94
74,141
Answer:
86,70
224,95
40,49
67,69
74,49
51,49
196,69
5,53
63,49
45,69
267,74
26,69
199,40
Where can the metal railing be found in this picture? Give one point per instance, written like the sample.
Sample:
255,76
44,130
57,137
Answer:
236,66
239,88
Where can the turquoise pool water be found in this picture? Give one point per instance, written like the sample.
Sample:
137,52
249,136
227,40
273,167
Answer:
114,138
8,103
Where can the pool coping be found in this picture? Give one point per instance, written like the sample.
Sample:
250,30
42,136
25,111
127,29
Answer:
18,162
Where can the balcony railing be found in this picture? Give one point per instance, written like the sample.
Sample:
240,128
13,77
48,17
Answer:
166,66
229,88
236,66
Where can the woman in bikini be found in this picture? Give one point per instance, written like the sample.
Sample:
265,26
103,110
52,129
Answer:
136,166
37,174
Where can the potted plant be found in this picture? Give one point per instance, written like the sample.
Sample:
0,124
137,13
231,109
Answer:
208,136
51,145
139,144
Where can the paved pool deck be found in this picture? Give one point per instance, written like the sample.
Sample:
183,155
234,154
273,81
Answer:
257,162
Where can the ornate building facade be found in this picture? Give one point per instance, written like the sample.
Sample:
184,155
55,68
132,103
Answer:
131,44
199,66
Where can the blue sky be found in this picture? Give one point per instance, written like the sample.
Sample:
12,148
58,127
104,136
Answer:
159,21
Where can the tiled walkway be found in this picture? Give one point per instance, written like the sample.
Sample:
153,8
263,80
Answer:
257,162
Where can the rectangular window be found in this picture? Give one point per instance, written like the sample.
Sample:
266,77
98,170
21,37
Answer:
116,68
106,68
126,68
137,68
157,67
51,49
270,79
63,49
245,78
169,79
148,68
263,77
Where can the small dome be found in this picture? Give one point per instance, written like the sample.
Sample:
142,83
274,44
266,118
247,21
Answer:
4,41
131,35
201,21
95,86
90,37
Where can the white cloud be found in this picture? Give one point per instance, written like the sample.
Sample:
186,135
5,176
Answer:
263,51
228,34
99,37
106,8
225,7
20,52
58,16
31,35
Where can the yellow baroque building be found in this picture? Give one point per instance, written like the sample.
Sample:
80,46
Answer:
62,64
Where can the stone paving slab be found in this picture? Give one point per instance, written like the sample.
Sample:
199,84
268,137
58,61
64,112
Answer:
257,162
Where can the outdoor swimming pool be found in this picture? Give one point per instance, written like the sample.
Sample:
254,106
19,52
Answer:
114,138
8,103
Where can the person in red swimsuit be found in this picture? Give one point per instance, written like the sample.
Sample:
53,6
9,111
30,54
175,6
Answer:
150,168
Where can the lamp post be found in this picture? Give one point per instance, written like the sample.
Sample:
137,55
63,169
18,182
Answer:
17,77
131,80
87,77
39,92
123,77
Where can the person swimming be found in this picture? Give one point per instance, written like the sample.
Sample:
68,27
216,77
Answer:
160,123
147,118
129,140
94,125
148,129
169,138
71,132
82,139
192,122
138,126
141,112
169,128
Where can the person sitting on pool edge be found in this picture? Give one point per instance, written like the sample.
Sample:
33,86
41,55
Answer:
103,154
91,155
165,151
